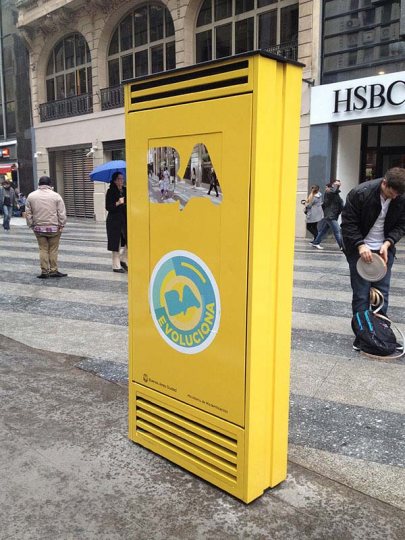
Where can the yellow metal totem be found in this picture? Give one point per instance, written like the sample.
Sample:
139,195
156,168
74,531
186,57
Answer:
212,155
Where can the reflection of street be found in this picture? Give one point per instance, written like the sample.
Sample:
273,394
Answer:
183,192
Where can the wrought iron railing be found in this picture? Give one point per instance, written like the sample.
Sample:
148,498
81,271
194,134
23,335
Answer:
112,97
288,50
64,108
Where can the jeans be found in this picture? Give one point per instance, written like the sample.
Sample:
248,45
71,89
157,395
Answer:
7,213
361,287
326,224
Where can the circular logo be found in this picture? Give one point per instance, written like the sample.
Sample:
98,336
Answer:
184,302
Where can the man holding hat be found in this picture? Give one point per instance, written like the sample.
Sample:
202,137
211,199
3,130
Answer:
45,213
7,202
373,221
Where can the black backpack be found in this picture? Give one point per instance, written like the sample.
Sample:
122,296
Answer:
374,333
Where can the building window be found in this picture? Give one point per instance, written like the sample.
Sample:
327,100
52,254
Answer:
142,43
227,27
68,72
361,38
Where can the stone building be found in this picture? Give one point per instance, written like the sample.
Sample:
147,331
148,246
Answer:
81,51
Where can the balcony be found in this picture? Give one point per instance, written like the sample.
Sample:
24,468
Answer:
64,108
112,97
288,50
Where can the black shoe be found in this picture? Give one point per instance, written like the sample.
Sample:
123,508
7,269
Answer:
356,345
57,274
43,276
119,270
124,266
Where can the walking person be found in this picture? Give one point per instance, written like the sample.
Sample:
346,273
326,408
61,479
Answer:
313,210
373,221
193,178
8,201
213,182
115,204
332,208
45,213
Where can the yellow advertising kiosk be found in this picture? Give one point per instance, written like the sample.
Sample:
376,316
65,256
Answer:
212,155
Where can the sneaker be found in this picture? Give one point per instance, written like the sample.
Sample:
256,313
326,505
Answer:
43,276
57,274
119,270
399,347
124,266
356,345
317,246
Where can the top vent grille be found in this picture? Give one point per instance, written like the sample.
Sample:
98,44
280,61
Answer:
193,85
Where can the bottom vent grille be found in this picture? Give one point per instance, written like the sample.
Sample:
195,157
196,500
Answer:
203,446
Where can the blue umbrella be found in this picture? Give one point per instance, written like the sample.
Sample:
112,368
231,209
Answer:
104,172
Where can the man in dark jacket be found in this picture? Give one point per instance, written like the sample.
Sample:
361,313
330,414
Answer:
373,220
8,201
332,208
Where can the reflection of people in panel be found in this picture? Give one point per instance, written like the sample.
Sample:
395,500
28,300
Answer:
164,182
193,178
213,182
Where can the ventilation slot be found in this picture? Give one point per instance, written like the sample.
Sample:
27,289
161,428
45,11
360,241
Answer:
202,445
184,86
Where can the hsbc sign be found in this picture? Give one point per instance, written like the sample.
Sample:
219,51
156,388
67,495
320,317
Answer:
359,99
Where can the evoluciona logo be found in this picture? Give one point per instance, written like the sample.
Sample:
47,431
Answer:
184,302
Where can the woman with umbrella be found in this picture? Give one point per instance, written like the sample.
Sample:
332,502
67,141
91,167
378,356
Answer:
115,204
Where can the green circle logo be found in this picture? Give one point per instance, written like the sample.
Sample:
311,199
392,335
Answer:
184,302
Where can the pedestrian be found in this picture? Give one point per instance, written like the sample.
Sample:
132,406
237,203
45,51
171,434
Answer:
8,201
21,203
373,221
313,210
115,204
213,182
332,208
193,178
164,181
14,175
45,213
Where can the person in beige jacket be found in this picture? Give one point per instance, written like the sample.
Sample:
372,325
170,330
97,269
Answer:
45,213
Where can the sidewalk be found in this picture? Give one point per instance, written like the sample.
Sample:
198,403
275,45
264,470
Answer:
346,447
68,471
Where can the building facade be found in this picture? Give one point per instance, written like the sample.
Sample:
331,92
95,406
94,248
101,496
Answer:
15,104
81,51
358,111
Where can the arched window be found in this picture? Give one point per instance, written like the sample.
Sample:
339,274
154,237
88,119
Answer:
69,69
142,43
227,27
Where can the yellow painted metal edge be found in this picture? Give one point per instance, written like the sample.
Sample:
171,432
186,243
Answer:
270,284
285,254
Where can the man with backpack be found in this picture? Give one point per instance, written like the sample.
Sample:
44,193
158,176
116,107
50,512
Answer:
373,220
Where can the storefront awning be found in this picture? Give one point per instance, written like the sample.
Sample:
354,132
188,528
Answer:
5,168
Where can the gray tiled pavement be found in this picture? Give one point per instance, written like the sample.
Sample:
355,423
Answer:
347,411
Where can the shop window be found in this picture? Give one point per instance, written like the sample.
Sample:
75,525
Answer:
372,136
68,70
393,135
143,43
227,27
